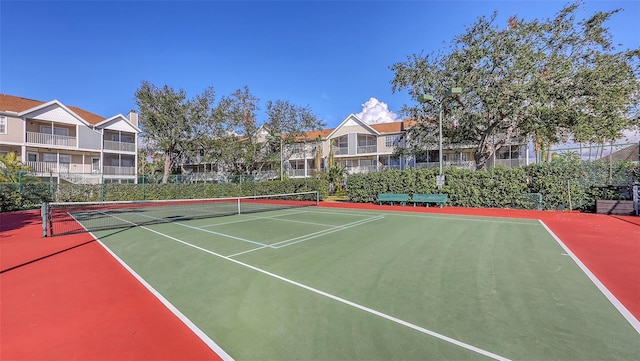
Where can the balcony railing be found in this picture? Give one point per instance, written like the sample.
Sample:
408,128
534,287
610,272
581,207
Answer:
119,146
340,150
367,149
511,163
362,169
295,173
46,168
115,170
51,139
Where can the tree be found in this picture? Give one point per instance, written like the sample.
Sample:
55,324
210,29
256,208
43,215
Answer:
170,121
530,79
292,122
235,143
11,168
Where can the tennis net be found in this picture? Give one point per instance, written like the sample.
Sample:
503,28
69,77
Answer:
75,217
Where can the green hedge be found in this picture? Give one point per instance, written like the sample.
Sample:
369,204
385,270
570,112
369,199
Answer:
562,183
15,196
117,192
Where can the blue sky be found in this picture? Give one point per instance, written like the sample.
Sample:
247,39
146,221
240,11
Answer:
333,56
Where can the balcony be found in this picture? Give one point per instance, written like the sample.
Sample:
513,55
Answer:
47,168
51,139
362,169
367,149
119,146
115,170
340,150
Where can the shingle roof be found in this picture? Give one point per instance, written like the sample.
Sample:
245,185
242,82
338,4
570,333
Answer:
19,104
382,128
628,153
315,134
394,127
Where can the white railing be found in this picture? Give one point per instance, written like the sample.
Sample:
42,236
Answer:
119,146
367,149
53,167
295,173
340,150
511,163
51,139
384,167
82,178
424,165
114,170
362,169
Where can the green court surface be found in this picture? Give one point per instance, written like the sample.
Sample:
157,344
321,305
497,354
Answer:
332,284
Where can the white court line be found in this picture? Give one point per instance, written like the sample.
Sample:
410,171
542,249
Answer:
192,326
309,236
323,233
472,218
203,230
249,219
340,299
617,304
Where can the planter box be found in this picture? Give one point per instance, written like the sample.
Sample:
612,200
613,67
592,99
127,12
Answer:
615,207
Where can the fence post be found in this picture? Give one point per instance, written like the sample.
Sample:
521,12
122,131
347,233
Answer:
102,186
43,214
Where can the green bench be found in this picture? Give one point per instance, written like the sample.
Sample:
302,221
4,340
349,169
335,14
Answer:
429,198
393,198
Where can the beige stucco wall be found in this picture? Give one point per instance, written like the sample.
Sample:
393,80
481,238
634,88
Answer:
15,132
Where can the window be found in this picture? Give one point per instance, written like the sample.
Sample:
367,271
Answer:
56,131
95,164
391,141
298,148
65,158
32,157
127,162
3,125
50,157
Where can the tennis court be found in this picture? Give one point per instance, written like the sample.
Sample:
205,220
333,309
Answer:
319,283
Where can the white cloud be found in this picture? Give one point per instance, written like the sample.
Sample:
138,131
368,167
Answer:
375,111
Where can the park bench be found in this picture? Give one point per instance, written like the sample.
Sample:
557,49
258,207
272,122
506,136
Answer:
393,198
429,198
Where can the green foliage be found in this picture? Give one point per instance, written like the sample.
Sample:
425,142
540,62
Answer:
565,183
159,191
568,183
336,177
170,121
15,196
18,188
540,78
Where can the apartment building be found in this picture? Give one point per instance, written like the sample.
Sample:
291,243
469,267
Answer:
68,143
366,148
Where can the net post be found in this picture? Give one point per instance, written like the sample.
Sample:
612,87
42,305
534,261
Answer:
238,205
317,198
43,214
